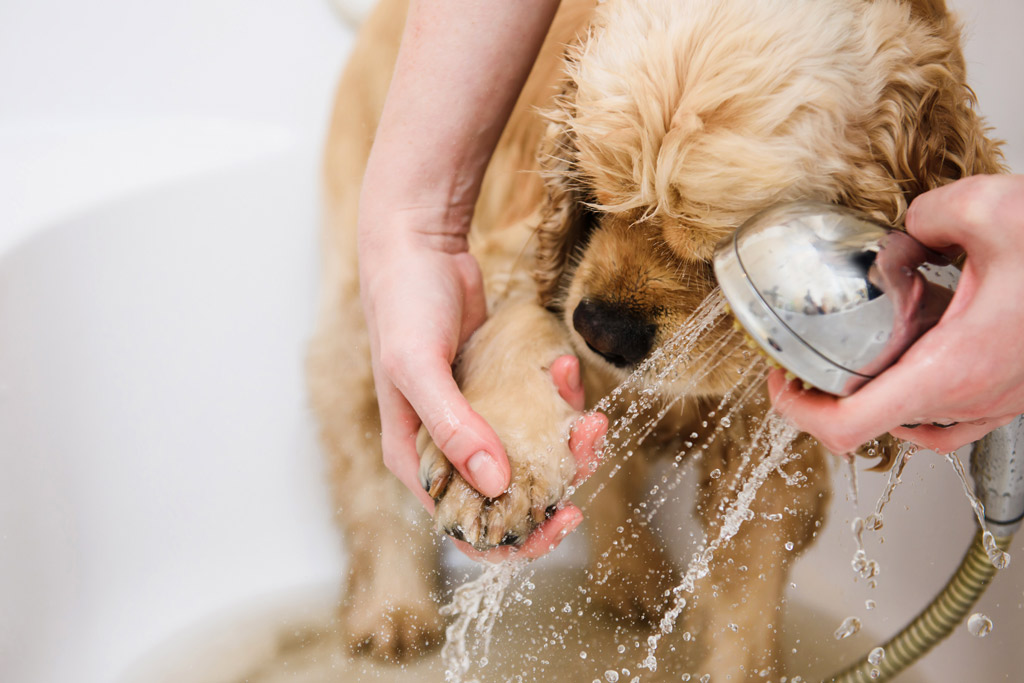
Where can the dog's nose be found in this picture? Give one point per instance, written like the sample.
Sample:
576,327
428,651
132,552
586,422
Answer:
622,337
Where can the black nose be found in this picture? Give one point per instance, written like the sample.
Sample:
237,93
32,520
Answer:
621,336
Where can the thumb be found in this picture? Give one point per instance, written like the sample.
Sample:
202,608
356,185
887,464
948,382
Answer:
465,438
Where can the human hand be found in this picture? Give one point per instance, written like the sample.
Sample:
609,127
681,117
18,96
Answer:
423,297
969,368
422,294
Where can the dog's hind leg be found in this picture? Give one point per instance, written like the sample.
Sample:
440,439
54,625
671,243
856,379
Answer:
388,609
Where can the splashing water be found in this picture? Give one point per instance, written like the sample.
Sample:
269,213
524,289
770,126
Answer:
978,625
477,602
850,626
999,558
862,566
638,408
780,437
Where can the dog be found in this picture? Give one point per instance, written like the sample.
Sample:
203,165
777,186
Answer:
647,131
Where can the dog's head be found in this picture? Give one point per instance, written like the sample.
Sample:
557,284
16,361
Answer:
679,119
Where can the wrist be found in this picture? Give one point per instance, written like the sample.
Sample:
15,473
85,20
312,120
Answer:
388,227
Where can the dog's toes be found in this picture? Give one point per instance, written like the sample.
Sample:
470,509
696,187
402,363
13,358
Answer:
393,633
487,523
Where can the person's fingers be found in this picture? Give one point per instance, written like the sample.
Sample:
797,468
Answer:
399,424
474,302
813,412
585,441
966,214
565,371
843,424
948,439
542,541
463,436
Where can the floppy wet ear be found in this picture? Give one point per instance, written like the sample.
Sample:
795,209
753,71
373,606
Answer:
925,132
563,215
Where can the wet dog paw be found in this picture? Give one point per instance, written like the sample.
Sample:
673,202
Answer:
392,631
539,482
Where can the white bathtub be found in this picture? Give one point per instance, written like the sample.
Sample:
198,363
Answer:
158,465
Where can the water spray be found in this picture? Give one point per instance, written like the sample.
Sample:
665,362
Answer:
835,298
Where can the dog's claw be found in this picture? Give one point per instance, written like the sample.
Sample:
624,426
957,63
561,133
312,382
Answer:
436,487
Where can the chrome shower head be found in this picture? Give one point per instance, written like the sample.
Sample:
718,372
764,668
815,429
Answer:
828,293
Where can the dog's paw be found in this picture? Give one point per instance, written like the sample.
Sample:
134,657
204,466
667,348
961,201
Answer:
540,478
390,630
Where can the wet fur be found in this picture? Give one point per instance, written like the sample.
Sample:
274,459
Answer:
662,126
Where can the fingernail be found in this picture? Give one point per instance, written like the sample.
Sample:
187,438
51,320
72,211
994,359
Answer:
485,474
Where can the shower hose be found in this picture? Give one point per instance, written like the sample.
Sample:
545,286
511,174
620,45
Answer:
935,622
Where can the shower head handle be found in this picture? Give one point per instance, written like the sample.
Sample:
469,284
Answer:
997,465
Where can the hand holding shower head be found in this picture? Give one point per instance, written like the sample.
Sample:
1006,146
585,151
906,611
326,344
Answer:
836,298
828,293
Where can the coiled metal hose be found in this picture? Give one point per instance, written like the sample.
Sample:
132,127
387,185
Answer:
935,622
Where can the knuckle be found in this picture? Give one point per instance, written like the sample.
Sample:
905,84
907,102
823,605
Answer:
442,430
395,362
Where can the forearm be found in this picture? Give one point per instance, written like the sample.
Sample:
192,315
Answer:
460,69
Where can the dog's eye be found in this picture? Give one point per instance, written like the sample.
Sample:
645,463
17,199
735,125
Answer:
588,221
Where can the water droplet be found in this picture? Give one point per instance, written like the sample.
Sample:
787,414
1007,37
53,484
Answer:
715,473
734,628
789,545
846,629
875,673
876,656
725,421
869,604
611,676
651,662
979,625
621,649
998,558
583,654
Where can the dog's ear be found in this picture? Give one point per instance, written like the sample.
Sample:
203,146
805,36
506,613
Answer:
564,215
925,131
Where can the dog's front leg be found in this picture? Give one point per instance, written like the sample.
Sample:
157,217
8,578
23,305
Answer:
504,373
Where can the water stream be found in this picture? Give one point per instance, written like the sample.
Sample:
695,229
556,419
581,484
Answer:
639,409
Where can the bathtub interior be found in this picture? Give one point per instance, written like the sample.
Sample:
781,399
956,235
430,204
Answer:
162,503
